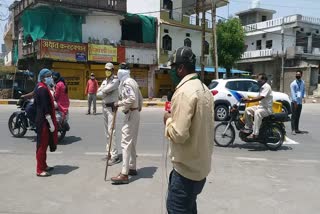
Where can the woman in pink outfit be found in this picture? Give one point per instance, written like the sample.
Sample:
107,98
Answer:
61,94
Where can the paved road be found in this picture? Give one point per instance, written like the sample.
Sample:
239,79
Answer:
245,177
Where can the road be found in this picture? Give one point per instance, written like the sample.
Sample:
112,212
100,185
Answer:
245,177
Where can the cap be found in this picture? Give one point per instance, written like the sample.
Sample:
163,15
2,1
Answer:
109,66
92,74
124,65
182,55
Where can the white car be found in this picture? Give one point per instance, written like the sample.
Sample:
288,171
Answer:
228,92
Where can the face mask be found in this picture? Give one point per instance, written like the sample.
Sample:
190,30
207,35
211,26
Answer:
298,77
92,78
108,74
48,81
174,77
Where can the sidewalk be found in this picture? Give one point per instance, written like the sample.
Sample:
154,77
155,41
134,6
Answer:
155,102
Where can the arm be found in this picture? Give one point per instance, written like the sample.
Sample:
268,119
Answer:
28,96
303,92
178,126
97,85
113,85
140,101
59,90
293,93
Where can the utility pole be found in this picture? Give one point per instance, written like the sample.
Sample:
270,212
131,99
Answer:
203,29
282,58
214,38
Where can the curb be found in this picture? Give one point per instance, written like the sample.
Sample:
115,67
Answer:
8,102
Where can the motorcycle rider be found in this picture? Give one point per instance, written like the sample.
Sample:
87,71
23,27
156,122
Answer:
264,108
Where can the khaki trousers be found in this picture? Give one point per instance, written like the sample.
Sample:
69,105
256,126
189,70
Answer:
129,138
258,114
108,118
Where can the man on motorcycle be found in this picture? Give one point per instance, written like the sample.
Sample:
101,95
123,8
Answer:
264,108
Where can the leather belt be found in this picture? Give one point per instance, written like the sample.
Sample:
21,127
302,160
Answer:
108,105
133,109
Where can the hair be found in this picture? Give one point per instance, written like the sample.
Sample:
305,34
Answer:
300,72
263,76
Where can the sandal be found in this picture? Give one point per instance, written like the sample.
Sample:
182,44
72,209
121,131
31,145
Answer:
49,168
43,174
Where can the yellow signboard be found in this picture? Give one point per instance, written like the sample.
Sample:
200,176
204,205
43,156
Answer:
102,53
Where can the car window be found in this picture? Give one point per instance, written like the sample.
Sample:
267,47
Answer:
253,86
213,84
234,85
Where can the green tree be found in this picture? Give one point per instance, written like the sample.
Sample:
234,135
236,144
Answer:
230,39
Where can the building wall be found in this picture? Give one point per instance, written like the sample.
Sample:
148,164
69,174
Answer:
141,56
178,35
99,27
289,40
146,6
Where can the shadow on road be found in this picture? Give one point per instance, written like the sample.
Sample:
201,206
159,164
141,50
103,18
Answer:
69,140
144,172
257,147
63,169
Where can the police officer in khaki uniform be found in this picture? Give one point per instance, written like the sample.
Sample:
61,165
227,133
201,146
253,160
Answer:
131,103
109,93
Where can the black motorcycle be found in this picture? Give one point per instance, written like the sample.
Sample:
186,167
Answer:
19,122
272,131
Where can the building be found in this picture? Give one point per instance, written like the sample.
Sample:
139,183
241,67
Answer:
294,39
177,26
79,37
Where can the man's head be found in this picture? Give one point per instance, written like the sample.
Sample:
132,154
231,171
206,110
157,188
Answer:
109,69
92,76
183,61
299,75
56,76
124,66
262,79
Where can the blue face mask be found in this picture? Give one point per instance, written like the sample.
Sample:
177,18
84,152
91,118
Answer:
48,81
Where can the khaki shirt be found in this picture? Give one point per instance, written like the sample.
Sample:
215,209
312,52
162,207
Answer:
190,129
108,90
130,95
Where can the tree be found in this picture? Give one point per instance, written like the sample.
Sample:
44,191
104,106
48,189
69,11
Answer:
230,39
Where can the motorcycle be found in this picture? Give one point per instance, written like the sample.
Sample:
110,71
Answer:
19,122
272,131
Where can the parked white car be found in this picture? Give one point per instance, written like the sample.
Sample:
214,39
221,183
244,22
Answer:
228,92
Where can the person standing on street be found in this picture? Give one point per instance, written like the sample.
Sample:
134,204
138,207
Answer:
109,93
46,123
189,128
131,103
297,88
91,91
61,95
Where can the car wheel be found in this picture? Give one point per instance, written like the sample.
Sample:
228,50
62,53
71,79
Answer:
221,113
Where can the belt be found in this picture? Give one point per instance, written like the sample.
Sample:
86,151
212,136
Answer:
133,109
108,105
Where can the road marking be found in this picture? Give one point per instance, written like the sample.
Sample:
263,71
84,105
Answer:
304,161
149,155
95,153
56,153
5,151
251,159
289,141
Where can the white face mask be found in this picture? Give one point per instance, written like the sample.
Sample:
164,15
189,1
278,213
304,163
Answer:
123,74
92,78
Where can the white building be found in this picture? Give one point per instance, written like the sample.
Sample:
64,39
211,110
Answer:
296,38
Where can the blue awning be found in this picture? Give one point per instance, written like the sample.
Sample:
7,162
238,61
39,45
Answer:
221,70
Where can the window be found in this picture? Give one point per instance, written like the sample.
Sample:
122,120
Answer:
240,85
166,30
264,18
213,84
187,42
252,86
206,47
269,44
187,34
258,45
167,43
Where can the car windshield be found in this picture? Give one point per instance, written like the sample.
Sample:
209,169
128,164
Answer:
213,84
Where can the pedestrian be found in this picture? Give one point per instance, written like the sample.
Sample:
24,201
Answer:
131,103
189,128
46,124
109,92
298,95
91,91
61,95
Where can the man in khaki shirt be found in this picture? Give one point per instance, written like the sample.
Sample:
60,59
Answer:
190,131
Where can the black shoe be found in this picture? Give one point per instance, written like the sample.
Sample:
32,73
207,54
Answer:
87,113
114,161
132,172
246,131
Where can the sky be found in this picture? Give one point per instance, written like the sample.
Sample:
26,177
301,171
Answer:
283,8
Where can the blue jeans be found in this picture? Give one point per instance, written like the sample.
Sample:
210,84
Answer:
182,194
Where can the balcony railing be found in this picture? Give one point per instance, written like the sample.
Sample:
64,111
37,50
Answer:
105,5
257,54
